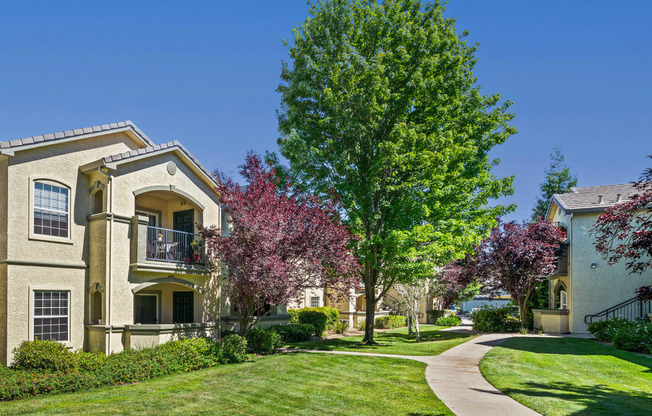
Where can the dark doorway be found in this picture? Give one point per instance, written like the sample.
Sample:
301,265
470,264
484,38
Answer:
184,221
182,310
146,309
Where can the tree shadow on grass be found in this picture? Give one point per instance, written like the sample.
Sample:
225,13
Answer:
596,399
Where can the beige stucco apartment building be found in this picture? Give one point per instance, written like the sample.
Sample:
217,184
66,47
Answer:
585,284
97,241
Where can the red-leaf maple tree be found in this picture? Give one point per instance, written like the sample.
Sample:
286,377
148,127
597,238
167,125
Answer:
624,231
280,242
515,257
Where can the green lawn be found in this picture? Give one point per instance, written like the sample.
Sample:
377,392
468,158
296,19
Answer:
395,341
571,376
287,384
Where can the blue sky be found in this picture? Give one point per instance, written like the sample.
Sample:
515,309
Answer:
205,73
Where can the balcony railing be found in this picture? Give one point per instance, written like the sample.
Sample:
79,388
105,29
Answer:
174,246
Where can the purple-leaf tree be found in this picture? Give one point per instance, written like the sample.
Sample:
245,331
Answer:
280,242
624,231
515,257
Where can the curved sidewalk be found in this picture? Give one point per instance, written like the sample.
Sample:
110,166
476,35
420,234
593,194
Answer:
455,378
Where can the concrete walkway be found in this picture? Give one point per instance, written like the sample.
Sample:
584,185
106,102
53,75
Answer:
455,378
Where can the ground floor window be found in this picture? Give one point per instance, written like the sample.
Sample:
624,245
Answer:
51,318
563,299
146,309
314,301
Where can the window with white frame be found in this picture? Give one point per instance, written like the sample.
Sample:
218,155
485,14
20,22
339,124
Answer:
51,315
563,299
314,301
51,209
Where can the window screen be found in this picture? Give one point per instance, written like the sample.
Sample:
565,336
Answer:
51,315
50,210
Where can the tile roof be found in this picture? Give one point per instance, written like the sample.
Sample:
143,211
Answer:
168,146
587,199
51,138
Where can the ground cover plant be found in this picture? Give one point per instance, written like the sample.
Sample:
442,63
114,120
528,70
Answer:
395,341
43,367
570,376
303,384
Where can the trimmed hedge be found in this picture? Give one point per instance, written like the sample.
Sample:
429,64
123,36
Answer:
31,374
315,318
492,319
450,320
263,341
390,322
332,314
294,332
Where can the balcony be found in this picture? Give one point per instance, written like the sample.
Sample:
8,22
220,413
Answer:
162,250
173,246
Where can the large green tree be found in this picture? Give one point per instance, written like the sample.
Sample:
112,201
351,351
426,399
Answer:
559,180
379,105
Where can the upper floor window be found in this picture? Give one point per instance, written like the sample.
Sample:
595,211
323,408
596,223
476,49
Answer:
51,210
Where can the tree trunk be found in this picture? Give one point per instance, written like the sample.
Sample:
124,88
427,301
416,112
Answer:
370,313
409,316
416,325
522,310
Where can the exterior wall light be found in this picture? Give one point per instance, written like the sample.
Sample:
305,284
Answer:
594,265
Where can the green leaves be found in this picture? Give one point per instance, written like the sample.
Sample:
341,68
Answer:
379,104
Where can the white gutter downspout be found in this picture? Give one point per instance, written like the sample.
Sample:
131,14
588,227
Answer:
109,208
570,268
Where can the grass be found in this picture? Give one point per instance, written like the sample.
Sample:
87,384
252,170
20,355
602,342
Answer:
571,376
287,384
395,341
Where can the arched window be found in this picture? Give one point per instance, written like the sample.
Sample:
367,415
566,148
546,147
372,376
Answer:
51,207
561,296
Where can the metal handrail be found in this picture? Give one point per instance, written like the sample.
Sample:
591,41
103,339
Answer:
630,309
173,246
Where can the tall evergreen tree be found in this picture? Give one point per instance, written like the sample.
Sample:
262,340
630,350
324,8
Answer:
558,180
380,105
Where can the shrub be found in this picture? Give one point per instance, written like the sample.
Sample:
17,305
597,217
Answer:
44,355
294,332
294,316
190,354
340,327
233,349
450,320
361,324
493,319
315,318
606,330
390,321
332,315
90,361
263,341
634,336
92,369
435,314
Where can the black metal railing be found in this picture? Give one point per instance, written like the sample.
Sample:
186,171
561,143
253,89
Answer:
174,246
631,309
